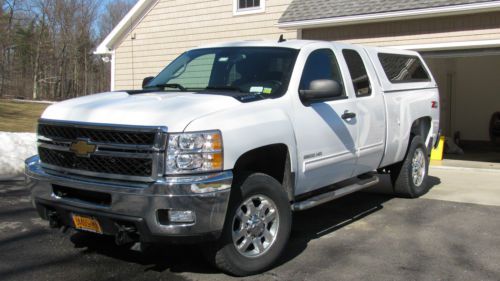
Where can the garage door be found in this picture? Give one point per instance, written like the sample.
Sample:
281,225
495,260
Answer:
469,83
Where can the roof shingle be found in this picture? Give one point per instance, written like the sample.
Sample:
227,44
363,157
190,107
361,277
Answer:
300,10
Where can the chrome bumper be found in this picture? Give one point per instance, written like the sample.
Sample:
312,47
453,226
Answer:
137,203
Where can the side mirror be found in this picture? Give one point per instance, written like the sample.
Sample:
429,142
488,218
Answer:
146,81
322,89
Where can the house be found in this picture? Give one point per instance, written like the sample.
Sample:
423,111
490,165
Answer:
459,39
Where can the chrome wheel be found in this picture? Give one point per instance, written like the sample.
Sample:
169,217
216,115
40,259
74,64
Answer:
418,167
255,226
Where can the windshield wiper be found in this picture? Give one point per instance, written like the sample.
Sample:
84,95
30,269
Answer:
168,85
224,88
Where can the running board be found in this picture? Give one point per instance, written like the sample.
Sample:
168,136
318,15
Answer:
329,196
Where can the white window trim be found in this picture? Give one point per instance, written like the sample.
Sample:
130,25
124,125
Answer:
248,11
451,45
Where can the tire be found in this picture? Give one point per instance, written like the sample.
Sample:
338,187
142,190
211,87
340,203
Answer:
410,176
258,190
495,128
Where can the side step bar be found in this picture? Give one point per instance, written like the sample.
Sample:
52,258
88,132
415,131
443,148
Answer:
329,196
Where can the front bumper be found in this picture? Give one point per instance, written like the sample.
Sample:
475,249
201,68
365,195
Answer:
136,204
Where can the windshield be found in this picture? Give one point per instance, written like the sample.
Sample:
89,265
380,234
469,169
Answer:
237,71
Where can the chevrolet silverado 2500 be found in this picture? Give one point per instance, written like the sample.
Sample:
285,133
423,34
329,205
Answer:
225,143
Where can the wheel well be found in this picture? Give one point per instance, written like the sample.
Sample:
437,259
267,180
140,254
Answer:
272,160
421,127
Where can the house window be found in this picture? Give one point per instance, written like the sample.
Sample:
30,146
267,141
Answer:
247,4
244,7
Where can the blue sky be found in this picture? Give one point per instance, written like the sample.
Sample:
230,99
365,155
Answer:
102,8
103,3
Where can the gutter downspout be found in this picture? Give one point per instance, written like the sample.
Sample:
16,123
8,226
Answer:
113,70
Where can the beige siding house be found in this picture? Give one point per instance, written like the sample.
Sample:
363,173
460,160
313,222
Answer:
460,39
157,31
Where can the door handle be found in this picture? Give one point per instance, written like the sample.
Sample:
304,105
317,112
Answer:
348,115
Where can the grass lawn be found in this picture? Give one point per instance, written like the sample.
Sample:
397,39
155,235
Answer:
19,116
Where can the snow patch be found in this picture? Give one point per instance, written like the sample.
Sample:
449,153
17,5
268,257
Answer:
35,101
39,222
10,225
14,149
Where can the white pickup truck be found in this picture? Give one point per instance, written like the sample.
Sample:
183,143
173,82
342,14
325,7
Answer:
226,142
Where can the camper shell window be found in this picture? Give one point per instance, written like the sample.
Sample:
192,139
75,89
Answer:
403,68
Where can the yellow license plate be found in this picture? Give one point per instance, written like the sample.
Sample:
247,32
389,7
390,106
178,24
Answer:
87,223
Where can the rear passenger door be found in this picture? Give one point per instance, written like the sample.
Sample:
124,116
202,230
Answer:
370,109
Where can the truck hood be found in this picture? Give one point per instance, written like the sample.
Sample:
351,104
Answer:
173,110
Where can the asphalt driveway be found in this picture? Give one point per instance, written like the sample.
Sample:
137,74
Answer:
364,236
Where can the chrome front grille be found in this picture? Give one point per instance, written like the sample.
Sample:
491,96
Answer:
121,152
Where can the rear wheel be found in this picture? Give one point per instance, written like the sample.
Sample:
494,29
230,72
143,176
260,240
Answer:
410,176
257,227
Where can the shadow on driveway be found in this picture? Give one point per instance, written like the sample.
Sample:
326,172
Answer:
101,250
307,226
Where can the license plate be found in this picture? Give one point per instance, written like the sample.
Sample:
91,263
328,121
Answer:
87,223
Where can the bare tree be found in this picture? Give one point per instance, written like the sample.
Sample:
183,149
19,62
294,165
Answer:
47,46
7,21
114,12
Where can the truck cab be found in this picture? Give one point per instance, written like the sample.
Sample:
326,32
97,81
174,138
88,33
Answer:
229,139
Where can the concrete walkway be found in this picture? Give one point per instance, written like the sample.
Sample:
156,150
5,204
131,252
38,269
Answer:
465,165
465,185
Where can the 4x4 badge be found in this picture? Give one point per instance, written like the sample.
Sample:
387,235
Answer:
82,148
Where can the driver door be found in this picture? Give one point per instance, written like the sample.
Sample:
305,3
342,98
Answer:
326,138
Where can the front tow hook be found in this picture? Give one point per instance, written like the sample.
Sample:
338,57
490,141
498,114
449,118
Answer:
53,219
125,235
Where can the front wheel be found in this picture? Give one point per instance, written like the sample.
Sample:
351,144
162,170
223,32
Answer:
410,176
257,227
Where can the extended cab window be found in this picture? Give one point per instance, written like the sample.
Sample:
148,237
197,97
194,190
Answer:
321,64
403,68
359,76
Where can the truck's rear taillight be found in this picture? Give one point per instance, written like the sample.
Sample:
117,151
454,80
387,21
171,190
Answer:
434,104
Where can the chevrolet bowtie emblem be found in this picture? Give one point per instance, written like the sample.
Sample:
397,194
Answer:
82,148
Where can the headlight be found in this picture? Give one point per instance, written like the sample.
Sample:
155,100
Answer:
194,152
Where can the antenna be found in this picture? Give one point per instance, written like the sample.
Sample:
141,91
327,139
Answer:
281,39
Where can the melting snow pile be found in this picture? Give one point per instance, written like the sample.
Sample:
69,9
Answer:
14,149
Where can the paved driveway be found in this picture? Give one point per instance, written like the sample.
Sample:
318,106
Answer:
364,236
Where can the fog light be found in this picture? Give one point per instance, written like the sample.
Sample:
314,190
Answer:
178,216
